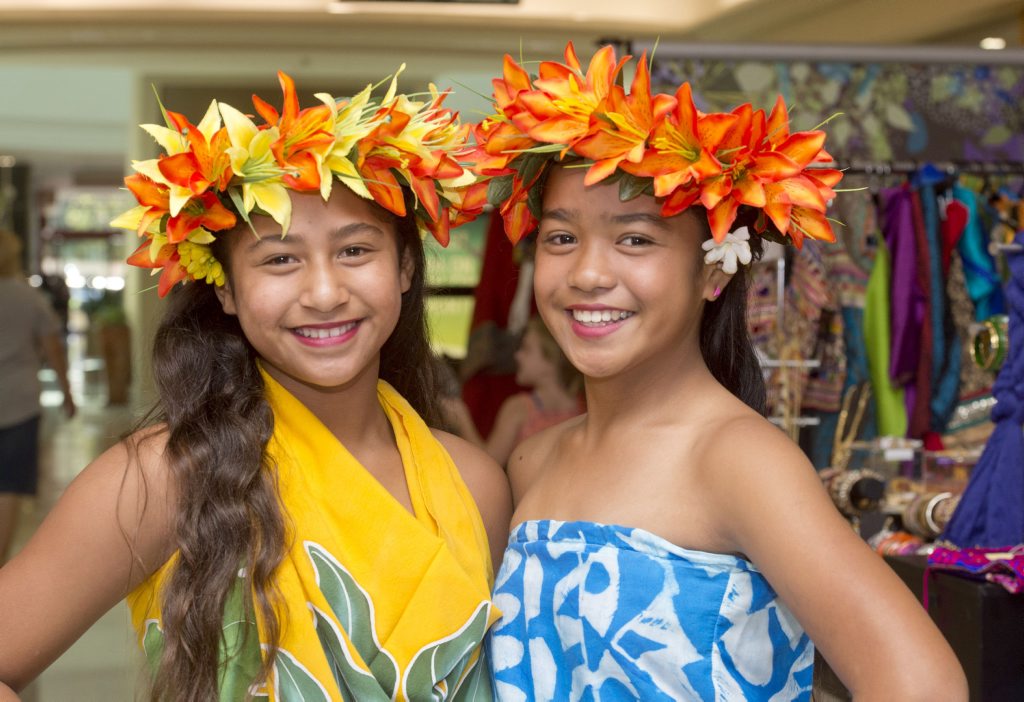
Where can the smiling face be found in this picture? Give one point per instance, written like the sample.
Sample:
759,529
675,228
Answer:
619,286
318,304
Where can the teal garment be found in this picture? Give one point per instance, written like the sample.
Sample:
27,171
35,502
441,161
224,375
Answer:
890,410
983,282
945,375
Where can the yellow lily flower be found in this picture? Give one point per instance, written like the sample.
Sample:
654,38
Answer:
253,161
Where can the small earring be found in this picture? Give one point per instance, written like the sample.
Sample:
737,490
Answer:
718,291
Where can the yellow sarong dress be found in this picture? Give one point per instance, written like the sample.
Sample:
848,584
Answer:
378,603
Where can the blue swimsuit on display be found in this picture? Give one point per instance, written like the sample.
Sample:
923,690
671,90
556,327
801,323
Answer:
596,612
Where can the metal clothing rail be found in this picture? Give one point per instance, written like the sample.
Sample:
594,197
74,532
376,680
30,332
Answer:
953,167
820,52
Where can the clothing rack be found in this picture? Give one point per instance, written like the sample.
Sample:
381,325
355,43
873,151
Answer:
952,167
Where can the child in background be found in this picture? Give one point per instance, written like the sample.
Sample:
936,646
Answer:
672,544
287,525
554,395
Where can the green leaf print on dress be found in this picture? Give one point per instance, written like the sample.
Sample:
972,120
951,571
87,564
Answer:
445,661
354,610
238,653
293,683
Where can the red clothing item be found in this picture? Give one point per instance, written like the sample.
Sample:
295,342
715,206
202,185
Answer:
484,391
952,229
920,415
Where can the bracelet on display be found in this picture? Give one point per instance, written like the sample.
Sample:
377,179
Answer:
895,543
856,491
990,344
941,512
928,513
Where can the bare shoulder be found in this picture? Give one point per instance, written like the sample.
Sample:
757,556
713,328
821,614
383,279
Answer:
748,446
475,465
487,484
530,456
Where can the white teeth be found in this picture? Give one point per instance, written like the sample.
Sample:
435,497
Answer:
600,317
311,333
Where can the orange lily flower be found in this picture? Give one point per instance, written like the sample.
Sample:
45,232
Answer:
621,125
204,164
167,258
564,100
205,211
302,133
683,147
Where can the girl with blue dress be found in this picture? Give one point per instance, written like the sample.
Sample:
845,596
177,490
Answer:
671,544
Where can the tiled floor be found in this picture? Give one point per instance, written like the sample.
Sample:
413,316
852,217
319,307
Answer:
104,665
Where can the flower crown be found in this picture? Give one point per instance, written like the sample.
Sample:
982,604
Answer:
374,148
651,144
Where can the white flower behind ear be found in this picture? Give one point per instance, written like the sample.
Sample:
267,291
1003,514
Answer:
734,249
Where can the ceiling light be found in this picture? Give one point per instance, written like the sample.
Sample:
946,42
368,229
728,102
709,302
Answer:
992,43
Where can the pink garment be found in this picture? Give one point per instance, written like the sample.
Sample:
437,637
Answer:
537,419
1004,566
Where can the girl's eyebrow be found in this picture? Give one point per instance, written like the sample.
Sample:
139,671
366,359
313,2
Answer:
340,233
561,214
656,220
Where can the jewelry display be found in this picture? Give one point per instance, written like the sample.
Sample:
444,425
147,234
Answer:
990,344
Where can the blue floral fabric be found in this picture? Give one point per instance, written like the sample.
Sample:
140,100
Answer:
599,613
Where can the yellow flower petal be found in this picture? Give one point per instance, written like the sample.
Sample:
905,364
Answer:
168,139
210,122
241,129
273,199
130,219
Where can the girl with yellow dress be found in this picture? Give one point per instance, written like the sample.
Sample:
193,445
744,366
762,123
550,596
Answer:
287,526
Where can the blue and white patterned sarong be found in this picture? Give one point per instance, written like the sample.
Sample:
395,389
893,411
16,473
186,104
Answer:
596,612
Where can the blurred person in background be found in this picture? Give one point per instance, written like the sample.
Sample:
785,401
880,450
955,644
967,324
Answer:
554,396
31,334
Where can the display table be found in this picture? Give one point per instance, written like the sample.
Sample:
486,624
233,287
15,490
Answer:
983,623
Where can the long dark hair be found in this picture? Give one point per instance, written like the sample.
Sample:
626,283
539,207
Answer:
725,342
218,424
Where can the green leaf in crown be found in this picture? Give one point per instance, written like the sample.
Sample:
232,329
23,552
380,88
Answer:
440,665
353,608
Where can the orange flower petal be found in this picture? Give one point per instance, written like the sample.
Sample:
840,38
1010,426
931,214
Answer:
813,224
679,200
601,170
803,147
267,111
778,122
148,192
721,218
518,222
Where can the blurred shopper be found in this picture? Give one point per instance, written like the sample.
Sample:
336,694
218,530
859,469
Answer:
31,333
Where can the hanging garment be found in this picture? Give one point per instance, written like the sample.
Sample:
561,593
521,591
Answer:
983,282
890,409
908,301
599,612
991,510
377,603
919,404
945,348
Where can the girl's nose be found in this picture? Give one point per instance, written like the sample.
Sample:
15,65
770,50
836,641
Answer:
324,288
591,269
